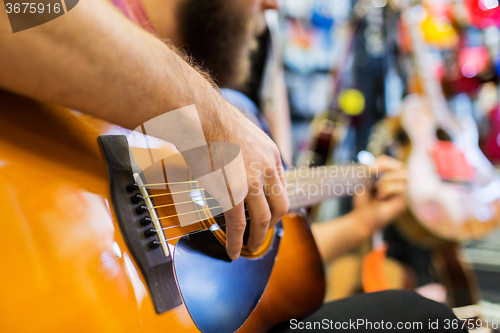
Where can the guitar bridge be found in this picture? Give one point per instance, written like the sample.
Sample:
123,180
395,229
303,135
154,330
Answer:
135,215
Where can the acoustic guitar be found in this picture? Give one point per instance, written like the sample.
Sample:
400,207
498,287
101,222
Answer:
453,190
90,244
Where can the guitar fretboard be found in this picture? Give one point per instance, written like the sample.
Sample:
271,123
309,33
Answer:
309,186
432,88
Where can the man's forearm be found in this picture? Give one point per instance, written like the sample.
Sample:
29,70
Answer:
337,237
94,60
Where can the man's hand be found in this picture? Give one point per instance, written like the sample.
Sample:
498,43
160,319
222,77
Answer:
266,200
373,210
386,201
129,86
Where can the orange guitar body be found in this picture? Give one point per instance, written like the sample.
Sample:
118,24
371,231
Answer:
65,265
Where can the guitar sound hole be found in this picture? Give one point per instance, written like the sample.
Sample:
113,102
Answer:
222,223
442,135
247,229
402,137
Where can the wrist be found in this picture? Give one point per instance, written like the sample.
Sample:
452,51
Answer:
367,220
219,119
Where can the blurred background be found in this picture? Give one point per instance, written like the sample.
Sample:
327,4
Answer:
332,78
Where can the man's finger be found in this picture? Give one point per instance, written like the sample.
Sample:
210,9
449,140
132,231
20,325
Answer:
385,163
281,173
395,175
392,207
260,217
235,228
277,198
389,189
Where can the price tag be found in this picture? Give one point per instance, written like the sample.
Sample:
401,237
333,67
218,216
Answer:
451,164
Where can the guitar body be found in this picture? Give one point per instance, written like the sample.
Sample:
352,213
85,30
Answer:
441,212
411,138
451,210
491,145
66,263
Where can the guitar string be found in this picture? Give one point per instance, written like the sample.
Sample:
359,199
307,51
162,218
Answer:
295,182
190,212
171,183
290,190
194,190
179,226
187,234
195,231
301,179
192,222
185,213
181,203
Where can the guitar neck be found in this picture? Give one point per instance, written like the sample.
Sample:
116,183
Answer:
432,88
310,186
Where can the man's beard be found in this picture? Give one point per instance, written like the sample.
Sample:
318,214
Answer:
220,37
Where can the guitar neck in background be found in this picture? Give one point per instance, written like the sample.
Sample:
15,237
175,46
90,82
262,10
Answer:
432,88
310,186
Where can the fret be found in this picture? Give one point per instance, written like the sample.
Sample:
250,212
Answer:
309,186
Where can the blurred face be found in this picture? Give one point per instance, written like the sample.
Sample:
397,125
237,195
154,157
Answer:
221,34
